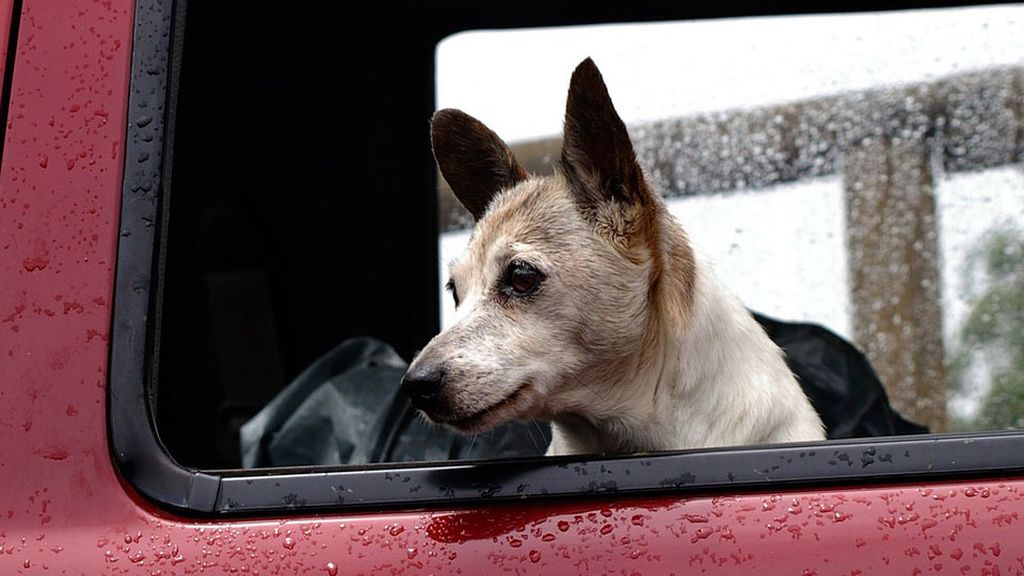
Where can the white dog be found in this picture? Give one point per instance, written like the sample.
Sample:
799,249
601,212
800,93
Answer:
581,301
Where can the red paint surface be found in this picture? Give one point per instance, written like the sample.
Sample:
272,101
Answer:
64,510
6,11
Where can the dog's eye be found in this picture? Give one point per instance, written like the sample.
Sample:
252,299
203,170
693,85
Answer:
521,278
450,286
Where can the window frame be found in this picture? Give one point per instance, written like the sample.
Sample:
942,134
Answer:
145,463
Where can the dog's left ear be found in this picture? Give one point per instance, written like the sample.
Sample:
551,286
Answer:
597,156
475,162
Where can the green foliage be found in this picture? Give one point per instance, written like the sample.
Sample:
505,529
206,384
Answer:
995,326
1003,405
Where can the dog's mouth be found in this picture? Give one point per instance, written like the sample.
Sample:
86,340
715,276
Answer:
494,415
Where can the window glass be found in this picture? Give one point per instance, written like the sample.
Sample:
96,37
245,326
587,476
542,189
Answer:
862,172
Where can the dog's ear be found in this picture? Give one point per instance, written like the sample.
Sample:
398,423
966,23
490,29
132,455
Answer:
597,157
474,161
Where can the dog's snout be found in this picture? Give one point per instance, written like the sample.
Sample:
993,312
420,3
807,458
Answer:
423,385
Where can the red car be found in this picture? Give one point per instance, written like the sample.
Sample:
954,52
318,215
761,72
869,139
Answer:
135,334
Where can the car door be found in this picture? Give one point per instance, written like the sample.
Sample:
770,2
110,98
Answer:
125,255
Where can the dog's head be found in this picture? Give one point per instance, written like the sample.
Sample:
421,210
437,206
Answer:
561,286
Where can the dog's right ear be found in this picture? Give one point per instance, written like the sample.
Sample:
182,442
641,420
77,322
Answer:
475,162
598,158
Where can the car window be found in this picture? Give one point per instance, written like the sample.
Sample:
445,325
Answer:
284,244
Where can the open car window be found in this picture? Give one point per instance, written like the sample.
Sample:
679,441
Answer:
840,170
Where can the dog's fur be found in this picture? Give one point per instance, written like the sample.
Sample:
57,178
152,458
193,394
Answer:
628,342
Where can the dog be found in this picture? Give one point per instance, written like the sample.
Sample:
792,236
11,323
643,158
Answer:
581,301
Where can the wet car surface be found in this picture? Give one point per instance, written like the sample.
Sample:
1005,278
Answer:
65,507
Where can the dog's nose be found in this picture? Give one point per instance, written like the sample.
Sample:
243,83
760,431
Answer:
423,385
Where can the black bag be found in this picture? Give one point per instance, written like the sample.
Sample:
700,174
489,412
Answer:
348,408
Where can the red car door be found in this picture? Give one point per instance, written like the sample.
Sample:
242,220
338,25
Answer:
66,508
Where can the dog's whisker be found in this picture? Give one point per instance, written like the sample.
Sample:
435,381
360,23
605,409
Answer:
533,438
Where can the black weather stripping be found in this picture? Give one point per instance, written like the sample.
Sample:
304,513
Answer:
770,467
